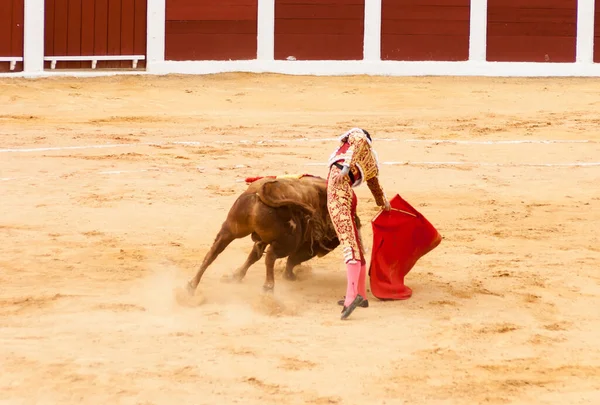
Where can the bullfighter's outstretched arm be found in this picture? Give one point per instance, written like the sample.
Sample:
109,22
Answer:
370,166
377,191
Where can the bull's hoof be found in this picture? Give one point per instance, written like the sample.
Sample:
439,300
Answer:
184,298
268,288
191,290
290,276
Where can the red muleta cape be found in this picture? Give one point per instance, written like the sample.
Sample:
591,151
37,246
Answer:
400,238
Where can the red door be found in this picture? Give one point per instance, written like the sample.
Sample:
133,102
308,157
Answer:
211,29
11,33
422,30
319,30
95,28
532,30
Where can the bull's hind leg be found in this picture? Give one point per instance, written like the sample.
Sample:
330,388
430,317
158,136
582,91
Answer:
223,239
257,251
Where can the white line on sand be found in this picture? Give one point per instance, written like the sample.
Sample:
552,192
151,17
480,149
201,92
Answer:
267,141
441,164
104,172
568,164
46,149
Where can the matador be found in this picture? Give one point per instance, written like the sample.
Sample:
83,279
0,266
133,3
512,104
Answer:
352,163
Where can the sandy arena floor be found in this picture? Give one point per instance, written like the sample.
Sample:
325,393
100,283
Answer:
95,241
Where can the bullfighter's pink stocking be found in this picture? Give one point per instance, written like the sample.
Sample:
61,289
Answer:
362,281
353,275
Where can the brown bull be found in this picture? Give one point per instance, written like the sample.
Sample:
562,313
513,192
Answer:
287,217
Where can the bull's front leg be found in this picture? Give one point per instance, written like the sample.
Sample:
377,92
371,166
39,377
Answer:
276,250
298,257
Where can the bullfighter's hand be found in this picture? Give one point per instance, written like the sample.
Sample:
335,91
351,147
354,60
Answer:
387,206
341,176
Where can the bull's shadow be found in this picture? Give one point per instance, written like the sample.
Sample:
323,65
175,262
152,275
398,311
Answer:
285,217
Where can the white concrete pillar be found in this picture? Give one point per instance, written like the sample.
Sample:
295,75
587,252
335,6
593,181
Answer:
155,34
478,31
266,30
372,35
585,31
33,37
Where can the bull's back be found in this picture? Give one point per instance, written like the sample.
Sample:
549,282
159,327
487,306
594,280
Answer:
249,215
259,210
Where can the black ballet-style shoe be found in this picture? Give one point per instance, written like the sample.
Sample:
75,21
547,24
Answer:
363,304
346,311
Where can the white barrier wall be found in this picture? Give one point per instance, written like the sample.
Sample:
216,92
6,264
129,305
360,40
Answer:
371,64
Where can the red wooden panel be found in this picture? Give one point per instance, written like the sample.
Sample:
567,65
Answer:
211,30
532,30
127,29
320,26
88,15
319,30
427,28
537,4
56,31
530,49
49,28
421,30
522,15
319,47
11,32
18,19
74,32
211,47
95,27
321,2
114,32
61,12
101,27
207,10
597,33
299,9
399,10
5,28
211,27
139,31
427,48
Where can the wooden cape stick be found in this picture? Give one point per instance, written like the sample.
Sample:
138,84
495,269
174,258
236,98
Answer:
393,209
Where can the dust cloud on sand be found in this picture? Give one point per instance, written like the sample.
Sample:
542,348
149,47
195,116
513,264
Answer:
114,189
